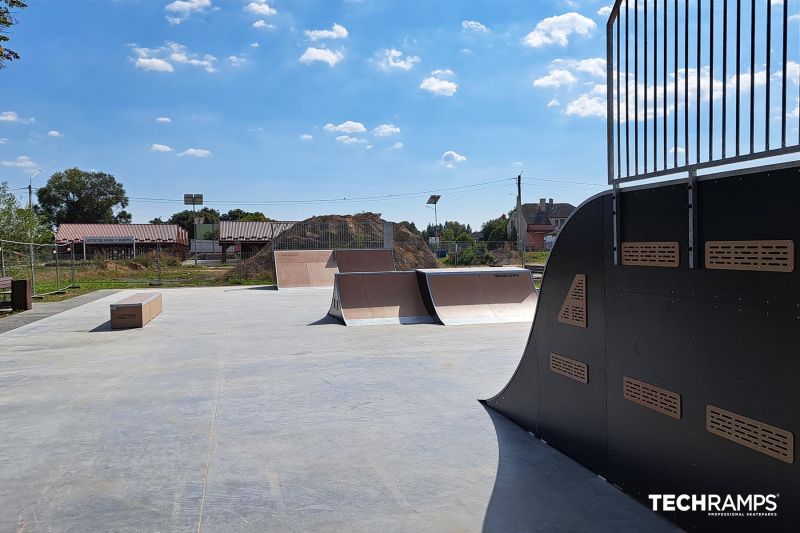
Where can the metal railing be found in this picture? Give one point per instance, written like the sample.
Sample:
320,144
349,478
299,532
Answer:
668,112
330,235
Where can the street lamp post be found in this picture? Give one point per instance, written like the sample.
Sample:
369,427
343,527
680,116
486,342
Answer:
193,200
433,200
30,229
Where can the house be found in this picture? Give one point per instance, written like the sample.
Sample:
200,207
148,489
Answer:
543,220
249,236
123,241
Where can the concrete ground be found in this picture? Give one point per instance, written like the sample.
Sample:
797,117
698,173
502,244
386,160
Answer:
248,410
45,309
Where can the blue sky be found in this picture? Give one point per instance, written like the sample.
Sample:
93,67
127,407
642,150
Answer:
396,97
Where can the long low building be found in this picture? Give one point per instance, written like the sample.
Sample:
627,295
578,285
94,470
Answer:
122,241
250,236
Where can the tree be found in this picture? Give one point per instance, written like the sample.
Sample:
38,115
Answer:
185,218
410,226
6,21
78,196
239,214
157,221
17,223
496,229
450,231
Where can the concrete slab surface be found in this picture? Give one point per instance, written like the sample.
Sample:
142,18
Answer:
249,410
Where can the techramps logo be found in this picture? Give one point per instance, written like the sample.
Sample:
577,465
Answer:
728,505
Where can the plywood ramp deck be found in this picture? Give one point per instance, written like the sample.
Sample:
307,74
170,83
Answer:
480,295
367,260
369,298
304,268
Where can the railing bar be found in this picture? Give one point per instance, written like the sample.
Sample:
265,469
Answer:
738,73
783,79
627,100
686,84
646,90
699,59
664,88
675,95
619,109
752,74
724,77
711,82
769,69
636,87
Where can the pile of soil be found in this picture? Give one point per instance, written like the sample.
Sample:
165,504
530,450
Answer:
410,250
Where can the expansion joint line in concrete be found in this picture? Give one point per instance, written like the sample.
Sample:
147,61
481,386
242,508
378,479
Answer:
212,434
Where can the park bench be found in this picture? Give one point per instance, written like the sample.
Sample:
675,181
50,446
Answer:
136,310
20,290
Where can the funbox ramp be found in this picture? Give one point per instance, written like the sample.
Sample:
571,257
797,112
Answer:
304,268
666,379
369,298
366,260
479,295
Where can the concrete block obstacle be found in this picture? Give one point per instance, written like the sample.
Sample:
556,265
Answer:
136,310
370,298
21,293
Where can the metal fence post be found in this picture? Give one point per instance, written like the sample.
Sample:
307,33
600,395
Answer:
72,250
2,258
33,269
158,263
58,270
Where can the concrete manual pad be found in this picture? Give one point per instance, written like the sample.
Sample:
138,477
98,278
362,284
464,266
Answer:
243,409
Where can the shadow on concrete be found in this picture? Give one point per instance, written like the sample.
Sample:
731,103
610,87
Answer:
254,288
537,488
327,319
105,326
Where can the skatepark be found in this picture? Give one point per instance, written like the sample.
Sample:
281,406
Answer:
251,409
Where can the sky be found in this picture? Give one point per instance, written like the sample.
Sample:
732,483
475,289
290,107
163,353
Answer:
301,108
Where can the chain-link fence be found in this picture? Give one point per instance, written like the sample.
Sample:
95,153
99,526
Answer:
332,235
490,253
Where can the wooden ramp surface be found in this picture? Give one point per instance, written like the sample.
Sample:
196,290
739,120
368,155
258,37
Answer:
367,260
304,268
369,298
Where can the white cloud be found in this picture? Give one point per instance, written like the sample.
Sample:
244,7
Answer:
337,31
3,140
347,126
604,11
160,148
254,45
154,64
237,61
596,66
587,106
553,103
385,130
261,7
346,139
262,24
163,120
474,25
181,10
393,59
162,59
437,84
396,146
450,158
321,54
556,78
11,116
306,137
22,161
54,133
556,30
196,152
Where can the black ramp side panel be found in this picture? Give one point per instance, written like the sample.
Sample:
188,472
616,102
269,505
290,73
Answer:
566,413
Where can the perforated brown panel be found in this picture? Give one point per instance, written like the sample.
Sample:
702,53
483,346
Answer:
573,310
769,440
654,254
664,401
768,256
569,367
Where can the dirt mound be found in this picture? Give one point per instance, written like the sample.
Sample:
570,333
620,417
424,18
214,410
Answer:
337,231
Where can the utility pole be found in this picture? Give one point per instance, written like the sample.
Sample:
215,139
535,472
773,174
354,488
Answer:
31,225
520,222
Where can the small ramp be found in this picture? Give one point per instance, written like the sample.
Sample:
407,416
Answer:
366,260
371,298
304,268
479,295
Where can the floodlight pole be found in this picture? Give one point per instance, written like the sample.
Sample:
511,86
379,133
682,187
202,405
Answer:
30,229
520,219
194,220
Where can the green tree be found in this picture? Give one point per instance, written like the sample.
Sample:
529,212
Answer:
185,218
6,21
157,221
78,196
17,223
247,216
496,229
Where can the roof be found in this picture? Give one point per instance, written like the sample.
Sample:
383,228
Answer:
540,214
140,232
238,230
